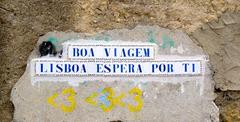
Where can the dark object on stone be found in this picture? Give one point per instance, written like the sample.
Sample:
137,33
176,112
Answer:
60,54
46,48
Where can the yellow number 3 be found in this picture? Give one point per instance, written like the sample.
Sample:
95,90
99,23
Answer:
137,98
71,93
109,98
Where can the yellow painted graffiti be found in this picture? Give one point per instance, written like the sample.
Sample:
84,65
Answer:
110,98
71,99
91,100
51,100
118,100
110,94
137,98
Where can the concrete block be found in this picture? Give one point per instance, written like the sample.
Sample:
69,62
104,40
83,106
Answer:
160,99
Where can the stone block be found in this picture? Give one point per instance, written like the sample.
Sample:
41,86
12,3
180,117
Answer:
167,98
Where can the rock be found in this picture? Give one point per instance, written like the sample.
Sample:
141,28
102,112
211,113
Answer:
228,19
171,99
216,25
230,112
222,45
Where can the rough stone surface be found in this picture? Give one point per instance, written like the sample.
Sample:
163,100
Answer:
230,101
183,99
222,43
23,21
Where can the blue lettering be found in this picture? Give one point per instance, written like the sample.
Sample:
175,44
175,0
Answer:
124,53
115,52
75,68
99,68
131,68
146,52
137,52
92,54
162,68
193,67
42,68
84,68
51,67
170,67
185,66
107,68
75,52
154,66
67,68
122,68
83,52
59,68
107,50
130,52
140,68
115,66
